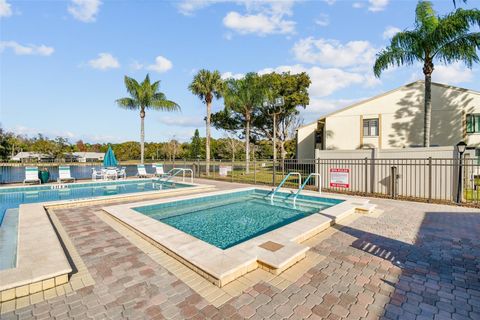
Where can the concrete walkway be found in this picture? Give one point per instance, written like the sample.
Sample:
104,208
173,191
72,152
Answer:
414,261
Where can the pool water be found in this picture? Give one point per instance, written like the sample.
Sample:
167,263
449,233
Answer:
229,219
13,197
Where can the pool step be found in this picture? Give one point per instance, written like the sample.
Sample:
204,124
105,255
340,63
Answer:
300,202
8,239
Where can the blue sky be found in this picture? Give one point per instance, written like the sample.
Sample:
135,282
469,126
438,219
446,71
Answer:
62,62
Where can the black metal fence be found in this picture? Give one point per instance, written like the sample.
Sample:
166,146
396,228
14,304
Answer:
419,179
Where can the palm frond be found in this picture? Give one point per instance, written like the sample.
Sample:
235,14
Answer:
164,105
393,56
425,17
455,2
463,48
127,103
132,86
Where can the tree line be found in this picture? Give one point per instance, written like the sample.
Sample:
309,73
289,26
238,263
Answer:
226,148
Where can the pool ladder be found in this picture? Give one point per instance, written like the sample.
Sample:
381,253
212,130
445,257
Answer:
305,183
285,180
172,174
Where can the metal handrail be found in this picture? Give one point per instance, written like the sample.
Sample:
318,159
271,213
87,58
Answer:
178,170
305,183
285,180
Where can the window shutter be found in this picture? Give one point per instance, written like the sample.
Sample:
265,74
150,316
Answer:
469,124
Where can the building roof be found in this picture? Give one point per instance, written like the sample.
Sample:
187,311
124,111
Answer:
29,154
89,155
387,93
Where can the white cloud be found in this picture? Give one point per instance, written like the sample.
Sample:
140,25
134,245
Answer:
84,10
161,64
261,17
377,5
260,24
28,131
319,107
454,73
372,5
334,53
188,7
330,2
5,9
229,75
30,49
322,106
323,20
390,31
104,61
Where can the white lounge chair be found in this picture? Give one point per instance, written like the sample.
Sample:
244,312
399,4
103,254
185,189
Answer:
122,173
64,174
31,175
142,173
159,171
96,174
110,174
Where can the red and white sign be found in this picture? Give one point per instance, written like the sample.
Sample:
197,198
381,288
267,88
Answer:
339,178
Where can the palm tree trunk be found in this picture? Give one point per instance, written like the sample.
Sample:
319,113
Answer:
247,144
427,71
207,146
142,135
274,138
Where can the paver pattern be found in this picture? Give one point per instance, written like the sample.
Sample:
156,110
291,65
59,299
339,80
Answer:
415,261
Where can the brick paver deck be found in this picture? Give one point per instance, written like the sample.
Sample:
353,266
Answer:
415,261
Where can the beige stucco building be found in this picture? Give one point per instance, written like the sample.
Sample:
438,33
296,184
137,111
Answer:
394,120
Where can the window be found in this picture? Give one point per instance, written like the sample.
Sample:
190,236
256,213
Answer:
473,123
370,127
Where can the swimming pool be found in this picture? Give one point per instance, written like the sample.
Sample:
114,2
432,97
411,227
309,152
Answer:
12,197
229,219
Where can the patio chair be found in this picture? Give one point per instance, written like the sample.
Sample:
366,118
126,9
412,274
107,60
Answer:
31,175
64,174
159,172
96,174
122,173
142,173
110,174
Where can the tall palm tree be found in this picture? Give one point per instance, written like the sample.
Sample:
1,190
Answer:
207,85
144,96
244,97
445,39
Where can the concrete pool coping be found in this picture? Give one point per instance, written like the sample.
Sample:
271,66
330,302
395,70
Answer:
41,261
223,266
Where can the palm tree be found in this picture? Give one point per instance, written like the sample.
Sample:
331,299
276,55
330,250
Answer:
144,96
207,85
446,39
244,97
